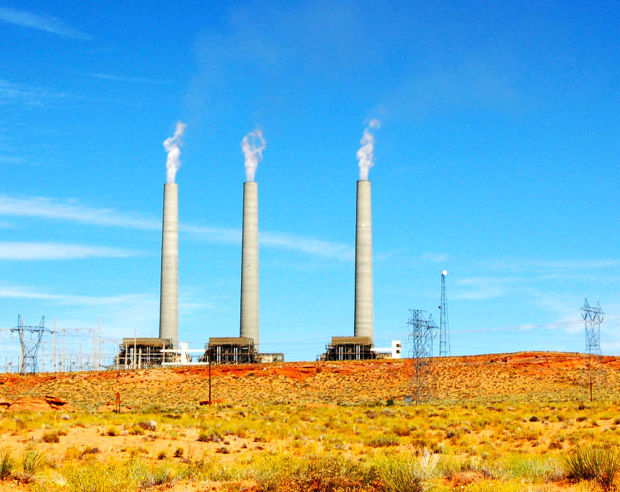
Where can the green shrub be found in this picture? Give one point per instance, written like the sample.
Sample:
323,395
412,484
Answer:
592,463
205,436
89,450
6,464
51,436
327,473
32,463
406,474
112,431
534,468
268,472
136,430
99,477
383,440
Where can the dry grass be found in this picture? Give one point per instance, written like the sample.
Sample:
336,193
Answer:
306,441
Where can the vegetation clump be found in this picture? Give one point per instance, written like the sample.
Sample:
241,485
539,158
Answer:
51,437
594,463
6,464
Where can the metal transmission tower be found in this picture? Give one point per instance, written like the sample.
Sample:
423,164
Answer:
421,333
444,325
592,317
29,342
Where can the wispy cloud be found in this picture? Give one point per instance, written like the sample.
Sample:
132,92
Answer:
29,251
481,288
435,257
15,292
120,78
121,315
12,93
45,23
571,264
47,208
311,246
16,161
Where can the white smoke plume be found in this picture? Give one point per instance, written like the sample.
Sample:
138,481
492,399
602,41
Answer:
365,155
172,146
252,146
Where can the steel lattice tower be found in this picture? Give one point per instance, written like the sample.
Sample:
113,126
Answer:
592,317
29,341
421,333
444,326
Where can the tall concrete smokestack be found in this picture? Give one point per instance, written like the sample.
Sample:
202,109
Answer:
169,300
252,147
169,293
249,263
363,262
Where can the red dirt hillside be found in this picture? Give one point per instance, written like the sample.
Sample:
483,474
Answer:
518,376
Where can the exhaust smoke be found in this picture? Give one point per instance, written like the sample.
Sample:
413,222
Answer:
172,146
252,146
365,155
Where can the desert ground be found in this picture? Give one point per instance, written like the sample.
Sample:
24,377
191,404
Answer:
520,421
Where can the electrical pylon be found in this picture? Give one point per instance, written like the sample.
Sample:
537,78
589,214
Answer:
592,317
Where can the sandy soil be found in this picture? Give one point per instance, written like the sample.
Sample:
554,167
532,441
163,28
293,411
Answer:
487,377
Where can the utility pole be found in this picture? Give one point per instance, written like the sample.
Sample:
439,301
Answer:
209,355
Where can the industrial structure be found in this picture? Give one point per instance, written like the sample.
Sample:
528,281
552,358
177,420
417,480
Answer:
142,353
393,352
244,348
349,348
230,350
361,344
169,294
444,325
249,316
363,326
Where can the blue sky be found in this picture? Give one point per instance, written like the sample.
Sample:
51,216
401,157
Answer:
497,159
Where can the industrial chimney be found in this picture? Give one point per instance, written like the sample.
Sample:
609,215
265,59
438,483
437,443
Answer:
169,300
249,263
363,262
